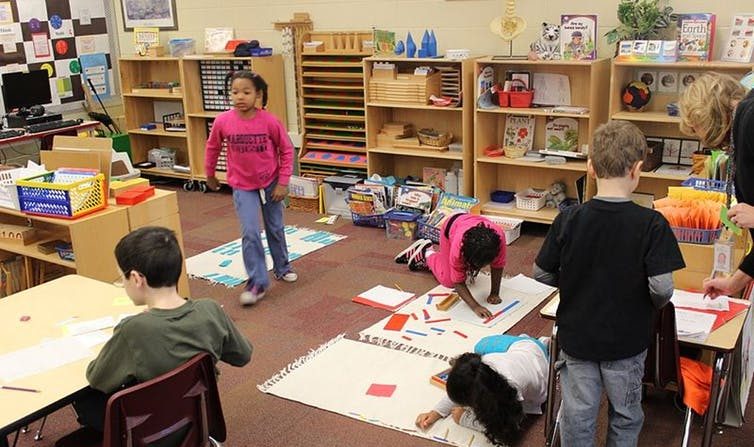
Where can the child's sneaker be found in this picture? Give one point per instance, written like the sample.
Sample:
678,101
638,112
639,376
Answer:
289,276
251,296
405,255
418,261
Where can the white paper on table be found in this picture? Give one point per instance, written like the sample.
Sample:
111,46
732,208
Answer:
386,296
524,284
693,324
89,326
41,357
682,298
92,339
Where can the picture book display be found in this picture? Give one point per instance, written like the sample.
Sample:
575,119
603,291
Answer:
450,204
578,37
519,132
740,39
562,134
414,198
696,35
366,200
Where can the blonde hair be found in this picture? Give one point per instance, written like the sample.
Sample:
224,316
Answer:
616,147
707,107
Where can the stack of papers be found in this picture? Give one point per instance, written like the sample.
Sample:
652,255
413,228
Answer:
42,357
384,298
691,300
694,325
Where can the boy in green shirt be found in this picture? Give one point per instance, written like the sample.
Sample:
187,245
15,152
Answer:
170,332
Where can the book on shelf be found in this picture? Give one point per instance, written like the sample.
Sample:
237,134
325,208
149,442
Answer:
434,176
561,134
578,36
384,43
738,47
519,132
696,36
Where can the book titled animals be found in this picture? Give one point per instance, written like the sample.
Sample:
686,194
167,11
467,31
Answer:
578,37
696,35
562,134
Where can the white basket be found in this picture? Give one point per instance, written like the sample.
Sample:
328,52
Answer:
8,190
162,157
511,227
531,199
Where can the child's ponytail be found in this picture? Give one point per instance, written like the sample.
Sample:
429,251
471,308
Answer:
259,83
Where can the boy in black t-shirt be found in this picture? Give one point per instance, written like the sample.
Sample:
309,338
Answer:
613,261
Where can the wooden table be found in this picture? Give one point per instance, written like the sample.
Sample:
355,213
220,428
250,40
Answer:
45,137
721,342
47,305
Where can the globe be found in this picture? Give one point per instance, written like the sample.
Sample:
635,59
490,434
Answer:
636,96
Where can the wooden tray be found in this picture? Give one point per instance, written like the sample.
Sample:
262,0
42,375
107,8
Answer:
413,143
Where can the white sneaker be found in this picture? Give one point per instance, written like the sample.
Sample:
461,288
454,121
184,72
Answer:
290,276
249,297
408,252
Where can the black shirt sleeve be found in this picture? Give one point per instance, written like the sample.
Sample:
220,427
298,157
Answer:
548,258
744,156
663,254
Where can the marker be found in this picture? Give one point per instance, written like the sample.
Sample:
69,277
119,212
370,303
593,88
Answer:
15,388
500,312
460,334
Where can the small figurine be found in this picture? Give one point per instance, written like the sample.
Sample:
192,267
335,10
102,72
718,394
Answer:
556,195
547,47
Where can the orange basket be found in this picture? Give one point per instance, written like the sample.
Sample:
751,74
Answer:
521,99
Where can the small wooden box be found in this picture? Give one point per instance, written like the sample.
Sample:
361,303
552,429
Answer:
18,233
314,47
154,51
405,88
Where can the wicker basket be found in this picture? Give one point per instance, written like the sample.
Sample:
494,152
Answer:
432,137
306,204
515,152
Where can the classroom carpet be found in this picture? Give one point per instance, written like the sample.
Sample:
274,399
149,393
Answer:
294,318
224,264
372,384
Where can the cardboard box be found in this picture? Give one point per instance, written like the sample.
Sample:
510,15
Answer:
698,259
18,233
80,152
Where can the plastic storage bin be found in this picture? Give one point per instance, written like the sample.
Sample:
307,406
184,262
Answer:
425,231
401,224
531,199
511,227
64,193
335,195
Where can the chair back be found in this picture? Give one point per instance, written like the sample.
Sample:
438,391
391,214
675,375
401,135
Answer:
663,364
180,408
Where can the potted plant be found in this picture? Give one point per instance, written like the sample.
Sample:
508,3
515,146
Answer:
641,20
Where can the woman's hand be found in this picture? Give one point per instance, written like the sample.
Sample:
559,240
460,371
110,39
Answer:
742,214
425,420
457,413
213,183
279,193
494,298
482,312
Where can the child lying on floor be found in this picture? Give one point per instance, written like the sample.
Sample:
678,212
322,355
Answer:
491,389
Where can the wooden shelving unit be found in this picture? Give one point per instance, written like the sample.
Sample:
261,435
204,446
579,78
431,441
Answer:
654,120
589,81
198,119
402,162
139,107
331,102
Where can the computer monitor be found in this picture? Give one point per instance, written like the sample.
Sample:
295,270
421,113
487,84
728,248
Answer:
26,89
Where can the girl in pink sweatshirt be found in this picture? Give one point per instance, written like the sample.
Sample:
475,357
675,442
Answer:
260,163
468,243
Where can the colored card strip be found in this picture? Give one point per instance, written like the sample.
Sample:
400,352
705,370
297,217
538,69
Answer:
460,334
409,331
439,320
500,312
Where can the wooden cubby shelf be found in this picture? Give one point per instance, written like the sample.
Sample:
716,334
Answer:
517,174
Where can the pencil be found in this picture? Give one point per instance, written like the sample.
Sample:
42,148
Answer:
447,430
398,287
471,441
15,388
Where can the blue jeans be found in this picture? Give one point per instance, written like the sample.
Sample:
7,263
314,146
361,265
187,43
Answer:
581,383
248,204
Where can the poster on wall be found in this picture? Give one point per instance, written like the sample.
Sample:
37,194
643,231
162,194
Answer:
94,68
52,35
149,13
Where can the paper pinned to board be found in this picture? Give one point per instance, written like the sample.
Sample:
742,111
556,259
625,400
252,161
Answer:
551,89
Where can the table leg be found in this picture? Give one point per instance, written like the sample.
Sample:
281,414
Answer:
552,381
709,419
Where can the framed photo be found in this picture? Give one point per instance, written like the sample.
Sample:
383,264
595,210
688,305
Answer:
149,13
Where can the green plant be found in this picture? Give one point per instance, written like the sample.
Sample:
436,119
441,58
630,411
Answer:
641,20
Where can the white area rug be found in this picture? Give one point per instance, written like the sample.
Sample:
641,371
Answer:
343,370
446,339
224,264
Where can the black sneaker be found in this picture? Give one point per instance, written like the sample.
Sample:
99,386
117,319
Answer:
405,255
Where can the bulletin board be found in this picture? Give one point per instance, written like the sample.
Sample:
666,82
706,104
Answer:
53,35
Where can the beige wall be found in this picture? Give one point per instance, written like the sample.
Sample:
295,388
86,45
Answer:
457,23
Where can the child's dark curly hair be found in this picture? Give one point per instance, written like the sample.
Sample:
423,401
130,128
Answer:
474,384
259,83
479,247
